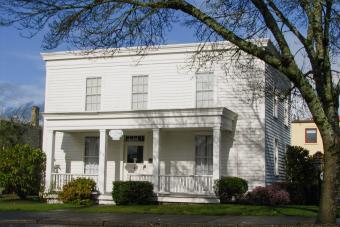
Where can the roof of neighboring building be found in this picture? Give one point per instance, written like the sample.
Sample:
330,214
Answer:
303,121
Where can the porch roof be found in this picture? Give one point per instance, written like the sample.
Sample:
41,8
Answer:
142,119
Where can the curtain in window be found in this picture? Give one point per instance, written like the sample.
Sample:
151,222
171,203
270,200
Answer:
204,155
91,158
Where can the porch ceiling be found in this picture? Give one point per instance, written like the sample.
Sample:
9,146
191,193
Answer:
143,119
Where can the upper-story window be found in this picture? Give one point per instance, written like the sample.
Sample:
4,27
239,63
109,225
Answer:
286,112
310,135
93,93
139,92
204,90
276,106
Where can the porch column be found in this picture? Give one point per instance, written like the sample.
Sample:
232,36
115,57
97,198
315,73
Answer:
216,153
49,151
102,161
155,157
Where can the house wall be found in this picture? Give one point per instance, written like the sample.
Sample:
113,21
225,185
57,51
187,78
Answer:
298,137
275,127
171,85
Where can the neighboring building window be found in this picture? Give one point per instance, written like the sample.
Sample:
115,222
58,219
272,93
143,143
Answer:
286,112
135,149
91,157
276,106
204,90
204,155
310,135
276,157
139,92
93,93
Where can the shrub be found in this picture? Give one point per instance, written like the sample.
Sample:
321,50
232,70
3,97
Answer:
299,166
78,191
269,195
21,170
302,171
228,187
132,192
302,194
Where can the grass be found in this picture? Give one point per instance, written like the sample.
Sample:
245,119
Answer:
32,204
207,209
12,203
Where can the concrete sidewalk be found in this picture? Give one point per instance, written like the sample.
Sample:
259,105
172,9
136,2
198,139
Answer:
109,219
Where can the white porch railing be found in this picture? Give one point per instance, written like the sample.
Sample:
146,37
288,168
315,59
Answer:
193,184
60,179
141,177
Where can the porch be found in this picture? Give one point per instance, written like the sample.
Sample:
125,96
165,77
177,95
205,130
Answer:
182,158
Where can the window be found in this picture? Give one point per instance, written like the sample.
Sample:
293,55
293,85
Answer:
286,112
310,135
91,157
204,90
139,92
93,91
204,155
134,149
276,157
276,106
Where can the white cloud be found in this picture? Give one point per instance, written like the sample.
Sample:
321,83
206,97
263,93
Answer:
16,95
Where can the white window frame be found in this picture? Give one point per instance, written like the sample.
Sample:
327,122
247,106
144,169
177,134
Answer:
286,111
202,90
276,106
276,156
133,142
137,93
208,161
91,156
90,94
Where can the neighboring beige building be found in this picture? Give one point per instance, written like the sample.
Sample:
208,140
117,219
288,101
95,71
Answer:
304,133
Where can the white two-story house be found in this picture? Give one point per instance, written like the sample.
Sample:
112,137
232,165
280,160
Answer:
154,118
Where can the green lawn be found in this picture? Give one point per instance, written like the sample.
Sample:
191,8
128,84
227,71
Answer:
14,204
207,209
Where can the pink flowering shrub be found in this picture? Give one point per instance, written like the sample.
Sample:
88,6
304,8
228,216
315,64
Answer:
269,195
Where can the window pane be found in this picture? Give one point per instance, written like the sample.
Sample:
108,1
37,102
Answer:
139,92
311,136
204,154
91,156
135,154
93,94
204,90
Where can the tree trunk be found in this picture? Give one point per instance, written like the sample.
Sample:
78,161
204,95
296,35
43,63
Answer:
327,207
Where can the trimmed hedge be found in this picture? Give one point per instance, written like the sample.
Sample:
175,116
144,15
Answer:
132,192
78,191
228,187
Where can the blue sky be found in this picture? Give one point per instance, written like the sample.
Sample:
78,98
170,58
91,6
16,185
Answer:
22,74
22,70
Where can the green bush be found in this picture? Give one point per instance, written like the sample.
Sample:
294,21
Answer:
302,172
228,187
21,170
78,191
132,192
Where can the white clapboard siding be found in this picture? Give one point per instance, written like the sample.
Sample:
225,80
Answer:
247,152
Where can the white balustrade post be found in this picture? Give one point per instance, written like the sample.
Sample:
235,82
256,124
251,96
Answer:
155,157
49,151
216,153
102,161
